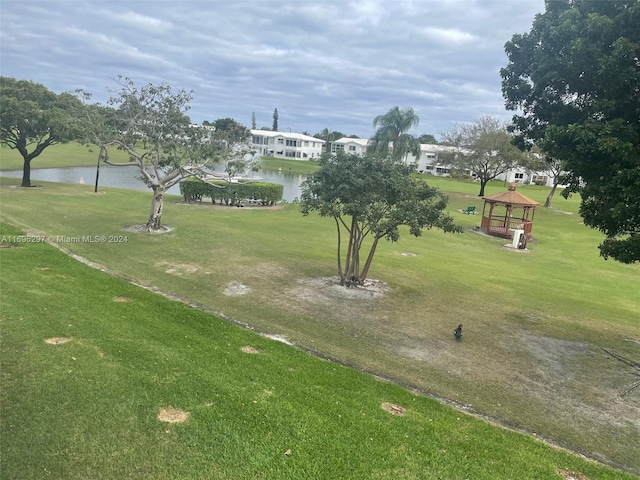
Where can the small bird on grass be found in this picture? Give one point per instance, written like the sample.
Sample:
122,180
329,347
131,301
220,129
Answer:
458,332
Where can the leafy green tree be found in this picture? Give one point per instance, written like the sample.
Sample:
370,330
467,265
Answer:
32,118
175,149
232,146
392,138
538,162
573,79
370,197
275,120
328,137
484,148
427,139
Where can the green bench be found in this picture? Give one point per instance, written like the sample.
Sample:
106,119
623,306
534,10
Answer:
470,210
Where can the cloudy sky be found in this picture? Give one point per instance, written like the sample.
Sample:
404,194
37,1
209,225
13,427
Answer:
322,63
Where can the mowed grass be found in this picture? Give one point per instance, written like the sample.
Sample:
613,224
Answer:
75,155
89,408
60,155
535,323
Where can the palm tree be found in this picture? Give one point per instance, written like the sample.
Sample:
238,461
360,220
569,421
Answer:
392,134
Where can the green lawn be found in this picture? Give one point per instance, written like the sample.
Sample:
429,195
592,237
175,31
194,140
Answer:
303,167
76,155
535,323
61,155
257,408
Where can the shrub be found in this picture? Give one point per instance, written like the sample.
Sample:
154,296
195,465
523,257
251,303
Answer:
231,193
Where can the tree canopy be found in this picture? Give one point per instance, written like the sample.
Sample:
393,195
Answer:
232,146
371,196
427,138
32,118
151,124
575,81
483,147
391,137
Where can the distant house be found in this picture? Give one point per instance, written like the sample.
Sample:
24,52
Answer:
520,175
434,159
357,146
267,143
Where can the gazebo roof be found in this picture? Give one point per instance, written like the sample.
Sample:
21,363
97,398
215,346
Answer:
511,197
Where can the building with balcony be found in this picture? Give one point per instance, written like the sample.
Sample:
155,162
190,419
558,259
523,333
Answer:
297,146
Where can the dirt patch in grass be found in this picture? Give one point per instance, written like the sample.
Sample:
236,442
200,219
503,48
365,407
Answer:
172,415
234,289
143,229
121,299
393,409
180,269
567,475
328,289
330,301
249,349
57,340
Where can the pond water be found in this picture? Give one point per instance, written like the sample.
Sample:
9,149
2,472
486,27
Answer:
128,178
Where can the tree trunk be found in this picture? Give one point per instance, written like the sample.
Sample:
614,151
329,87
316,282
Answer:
26,173
340,274
155,215
547,202
351,274
367,264
483,183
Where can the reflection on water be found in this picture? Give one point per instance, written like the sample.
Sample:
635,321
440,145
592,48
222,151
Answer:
129,178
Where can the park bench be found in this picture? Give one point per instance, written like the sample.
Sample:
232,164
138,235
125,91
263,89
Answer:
470,210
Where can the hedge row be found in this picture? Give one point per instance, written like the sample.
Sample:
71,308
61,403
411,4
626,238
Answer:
231,193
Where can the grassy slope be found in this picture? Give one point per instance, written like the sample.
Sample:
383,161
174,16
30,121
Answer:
516,308
88,408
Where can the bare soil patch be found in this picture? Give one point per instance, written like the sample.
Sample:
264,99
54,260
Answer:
179,269
328,289
172,415
121,299
250,349
393,409
57,340
567,475
235,289
142,228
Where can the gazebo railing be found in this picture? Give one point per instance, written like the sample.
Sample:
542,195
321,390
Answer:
502,226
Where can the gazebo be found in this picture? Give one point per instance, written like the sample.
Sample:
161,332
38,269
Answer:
501,219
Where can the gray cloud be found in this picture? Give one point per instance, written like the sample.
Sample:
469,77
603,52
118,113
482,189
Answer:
333,64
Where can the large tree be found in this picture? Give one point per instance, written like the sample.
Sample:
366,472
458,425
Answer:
574,81
329,137
232,146
275,120
391,137
537,162
483,147
427,138
32,118
370,197
151,125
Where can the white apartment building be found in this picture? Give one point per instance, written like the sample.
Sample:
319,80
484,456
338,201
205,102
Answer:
356,146
267,143
435,160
